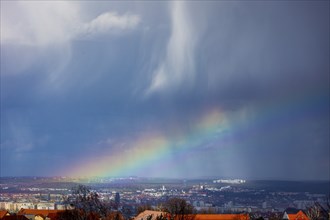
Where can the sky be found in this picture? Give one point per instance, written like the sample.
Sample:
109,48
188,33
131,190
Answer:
178,89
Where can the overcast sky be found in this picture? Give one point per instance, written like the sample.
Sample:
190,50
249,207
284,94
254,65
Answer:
165,89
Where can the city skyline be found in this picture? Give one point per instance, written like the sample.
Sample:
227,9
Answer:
165,89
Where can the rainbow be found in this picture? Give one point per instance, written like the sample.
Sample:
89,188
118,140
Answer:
151,148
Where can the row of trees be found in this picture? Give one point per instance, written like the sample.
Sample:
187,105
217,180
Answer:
84,204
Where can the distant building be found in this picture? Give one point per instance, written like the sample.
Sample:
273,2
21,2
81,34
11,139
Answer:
47,206
24,206
117,198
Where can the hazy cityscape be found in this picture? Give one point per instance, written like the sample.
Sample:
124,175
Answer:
215,196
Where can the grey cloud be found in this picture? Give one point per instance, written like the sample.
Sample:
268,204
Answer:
109,22
178,66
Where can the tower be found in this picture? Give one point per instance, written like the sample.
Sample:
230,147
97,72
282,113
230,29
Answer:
117,198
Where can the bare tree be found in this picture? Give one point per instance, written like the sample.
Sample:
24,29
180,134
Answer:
318,211
161,217
178,208
114,216
86,205
313,212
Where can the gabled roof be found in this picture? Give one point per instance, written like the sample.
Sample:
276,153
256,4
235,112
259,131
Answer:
285,216
297,216
291,210
144,215
3,213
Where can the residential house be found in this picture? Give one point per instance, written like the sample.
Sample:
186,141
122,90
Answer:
300,215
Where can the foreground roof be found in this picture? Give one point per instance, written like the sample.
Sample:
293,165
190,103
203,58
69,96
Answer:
147,213
42,212
298,216
3,213
215,217
14,217
154,214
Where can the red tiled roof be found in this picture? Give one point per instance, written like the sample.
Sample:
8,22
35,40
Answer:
298,216
52,215
15,217
3,213
147,213
41,212
216,217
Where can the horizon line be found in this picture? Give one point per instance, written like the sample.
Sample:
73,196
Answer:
168,178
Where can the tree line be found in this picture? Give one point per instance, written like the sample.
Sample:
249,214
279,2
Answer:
85,204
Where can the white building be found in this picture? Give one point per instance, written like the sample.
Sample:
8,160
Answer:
46,206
